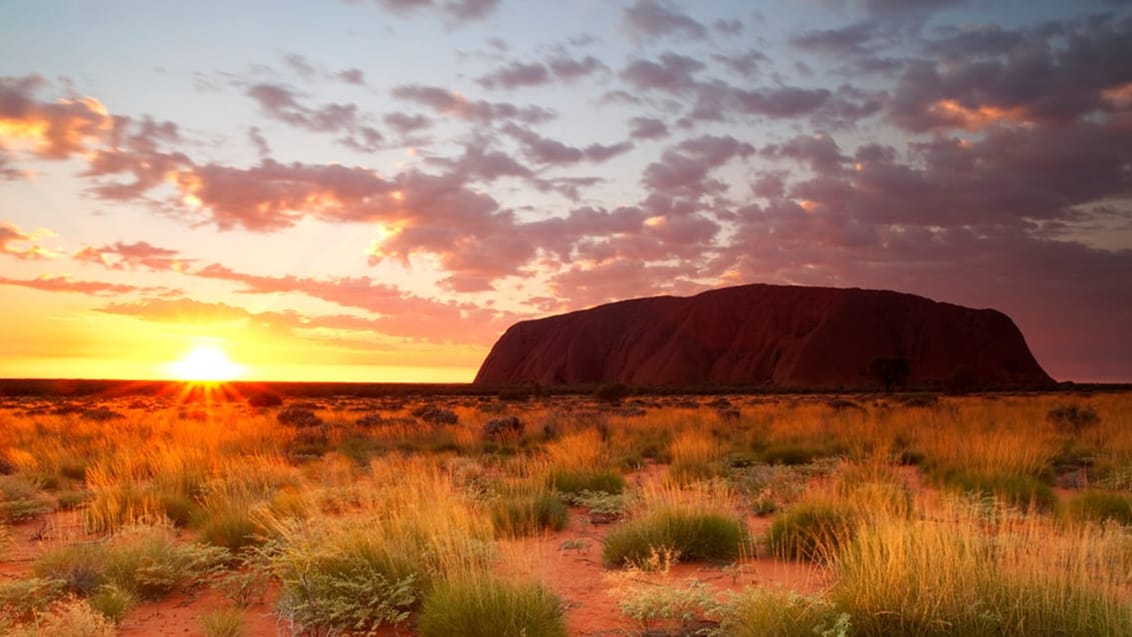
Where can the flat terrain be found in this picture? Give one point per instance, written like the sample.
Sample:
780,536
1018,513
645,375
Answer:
213,513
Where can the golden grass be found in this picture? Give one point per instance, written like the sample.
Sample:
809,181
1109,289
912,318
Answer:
417,498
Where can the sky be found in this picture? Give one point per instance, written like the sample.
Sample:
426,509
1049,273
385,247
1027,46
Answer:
375,190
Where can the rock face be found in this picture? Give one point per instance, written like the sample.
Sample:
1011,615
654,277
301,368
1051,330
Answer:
782,336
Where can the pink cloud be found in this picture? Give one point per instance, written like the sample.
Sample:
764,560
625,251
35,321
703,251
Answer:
64,283
55,130
122,256
10,235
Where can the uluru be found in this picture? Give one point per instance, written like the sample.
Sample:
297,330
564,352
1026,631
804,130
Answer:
789,337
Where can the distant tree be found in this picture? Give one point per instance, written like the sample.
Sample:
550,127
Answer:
891,371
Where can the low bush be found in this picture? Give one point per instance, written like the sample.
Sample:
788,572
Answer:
20,499
1015,489
779,613
491,608
231,527
569,481
528,513
141,561
690,534
811,531
1100,506
22,599
71,618
790,454
1073,418
672,610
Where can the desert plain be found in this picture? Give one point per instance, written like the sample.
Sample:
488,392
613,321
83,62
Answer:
601,513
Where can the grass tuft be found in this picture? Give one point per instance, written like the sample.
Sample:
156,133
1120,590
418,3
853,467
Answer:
491,608
813,531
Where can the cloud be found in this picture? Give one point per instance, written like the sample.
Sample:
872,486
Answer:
259,142
454,104
459,10
517,74
561,67
674,73
684,169
785,101
401,313
281,103
64,283
549,151
180,310
273,196
728,27
10,235
744,64
647,128
654,19
131,256
52,130
404,123
1054,74
819,151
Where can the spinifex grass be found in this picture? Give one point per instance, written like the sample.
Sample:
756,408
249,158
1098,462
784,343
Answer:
373,566
491,607
690,524
964,572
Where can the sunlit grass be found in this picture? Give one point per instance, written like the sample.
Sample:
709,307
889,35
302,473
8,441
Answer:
374,521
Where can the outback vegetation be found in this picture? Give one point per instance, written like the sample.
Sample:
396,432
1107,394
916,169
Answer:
869,515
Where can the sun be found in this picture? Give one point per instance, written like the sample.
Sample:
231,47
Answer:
205,363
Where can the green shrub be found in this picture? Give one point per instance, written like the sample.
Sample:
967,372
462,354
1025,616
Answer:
1100,506
811,531
780,613
491,608
567,481
1014,489
692,535
528,513
223,622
